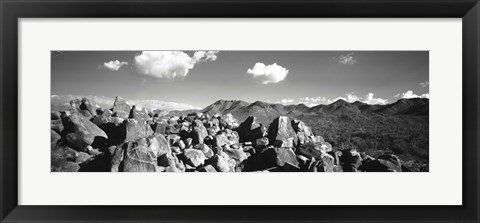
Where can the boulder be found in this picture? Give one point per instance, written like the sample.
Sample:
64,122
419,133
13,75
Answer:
194,157
54,137
181,144
261,143
171,163
56,125
82,133
135,129
82,157
279,157
188,142
207,151
117,159
121,108
281,133
62,158
250,130
160,127
228,121
199,132
350,160
237,154
138,158
141,115
173,138
158,145
55,115
220,164
87,107
299,126
220,140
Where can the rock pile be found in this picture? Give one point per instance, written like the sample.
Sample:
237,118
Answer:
128,139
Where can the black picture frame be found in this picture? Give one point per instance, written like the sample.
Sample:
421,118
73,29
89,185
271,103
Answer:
12,10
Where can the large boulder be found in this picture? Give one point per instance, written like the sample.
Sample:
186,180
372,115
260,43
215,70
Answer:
194,157
321,161
160,127
350,160
171,163
237,154
228,121
81,133
279,157
220,164
141,115
121,108
207,151
117,159
63,158
87,108
56,125
199,132
281,133
54,137
250,130
135,129
158,145
261,143
138,158
220,140
83,107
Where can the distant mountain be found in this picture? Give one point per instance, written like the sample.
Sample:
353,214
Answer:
62,102
263,110
224,106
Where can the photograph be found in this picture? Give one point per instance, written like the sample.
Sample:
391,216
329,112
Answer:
239,111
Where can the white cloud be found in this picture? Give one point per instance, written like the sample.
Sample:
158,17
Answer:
286,101
346,59
369,99
169,64
350,97
410,94
114,65
424,84
310,102
267,74
203,56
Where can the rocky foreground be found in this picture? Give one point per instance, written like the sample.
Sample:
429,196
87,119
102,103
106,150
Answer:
128,139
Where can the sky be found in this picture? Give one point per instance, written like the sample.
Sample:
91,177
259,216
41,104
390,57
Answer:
199,78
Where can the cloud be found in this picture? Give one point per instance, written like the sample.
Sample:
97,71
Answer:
286,101
348,59
203,56
410,94
350,97
114,65
169,64
424,84
268,74
310,102
369,99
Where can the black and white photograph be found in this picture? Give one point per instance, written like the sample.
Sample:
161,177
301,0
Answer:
239,111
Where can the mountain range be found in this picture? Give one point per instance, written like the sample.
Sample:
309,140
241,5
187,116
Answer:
242,109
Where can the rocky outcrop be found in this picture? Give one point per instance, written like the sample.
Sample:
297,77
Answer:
120,108
281,133
82,133
125,138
